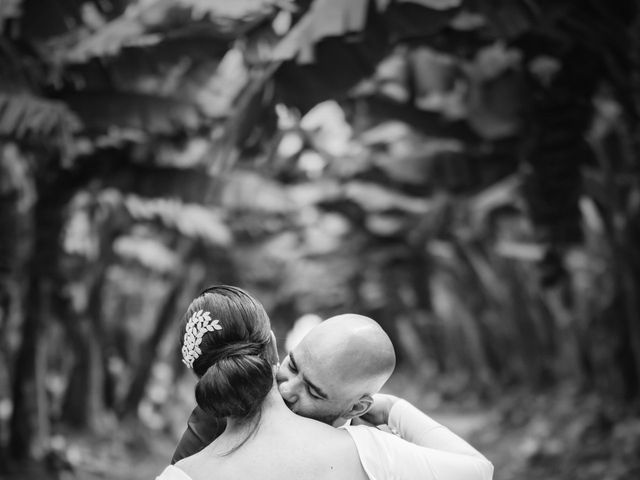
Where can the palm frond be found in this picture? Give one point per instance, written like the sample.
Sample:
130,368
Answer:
148,253
247,191
234,18
27,117
190,220
376,109
103,111
373,197
150,22
107,41
325,19
188,68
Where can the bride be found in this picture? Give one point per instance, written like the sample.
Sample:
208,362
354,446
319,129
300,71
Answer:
229,344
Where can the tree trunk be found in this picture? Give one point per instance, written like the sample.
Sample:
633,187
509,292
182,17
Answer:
631,233
426,323
620,216
15,245
166,318
29,421
29,424
479,280
84,399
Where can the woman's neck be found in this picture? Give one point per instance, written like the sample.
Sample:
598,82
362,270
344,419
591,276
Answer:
273,411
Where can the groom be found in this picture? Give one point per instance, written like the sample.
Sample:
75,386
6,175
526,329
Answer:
331,376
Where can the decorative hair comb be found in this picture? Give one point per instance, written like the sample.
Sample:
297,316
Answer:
199,324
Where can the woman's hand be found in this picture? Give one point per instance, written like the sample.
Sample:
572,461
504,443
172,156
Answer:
378,414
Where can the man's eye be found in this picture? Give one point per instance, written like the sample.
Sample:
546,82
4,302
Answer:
292,368
317,397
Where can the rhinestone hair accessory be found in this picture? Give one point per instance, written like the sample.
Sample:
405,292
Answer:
199,324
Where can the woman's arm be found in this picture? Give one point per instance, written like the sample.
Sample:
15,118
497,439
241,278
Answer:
430,450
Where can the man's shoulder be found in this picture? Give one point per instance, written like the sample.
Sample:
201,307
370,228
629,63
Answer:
202,429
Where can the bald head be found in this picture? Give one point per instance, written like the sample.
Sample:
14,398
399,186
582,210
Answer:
336,367
356,349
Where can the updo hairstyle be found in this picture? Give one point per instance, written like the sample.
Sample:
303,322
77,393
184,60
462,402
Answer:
235,368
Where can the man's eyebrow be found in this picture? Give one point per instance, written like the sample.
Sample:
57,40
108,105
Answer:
309,382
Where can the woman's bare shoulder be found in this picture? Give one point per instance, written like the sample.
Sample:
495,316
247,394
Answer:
310,450
335,452
195,465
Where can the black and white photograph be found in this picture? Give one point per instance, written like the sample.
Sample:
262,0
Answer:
319,239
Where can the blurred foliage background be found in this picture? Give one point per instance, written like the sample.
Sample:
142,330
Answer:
466,172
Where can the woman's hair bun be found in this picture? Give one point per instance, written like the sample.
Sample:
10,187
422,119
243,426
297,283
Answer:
235,360
236,382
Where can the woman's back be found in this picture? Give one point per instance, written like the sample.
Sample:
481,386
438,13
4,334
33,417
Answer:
284,446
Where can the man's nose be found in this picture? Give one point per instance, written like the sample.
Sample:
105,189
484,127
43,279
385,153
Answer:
288,391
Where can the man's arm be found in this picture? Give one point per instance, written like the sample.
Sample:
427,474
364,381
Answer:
202,429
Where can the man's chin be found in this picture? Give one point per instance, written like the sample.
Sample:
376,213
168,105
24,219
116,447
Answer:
329,419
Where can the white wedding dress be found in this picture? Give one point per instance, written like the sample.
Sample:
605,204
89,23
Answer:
421,449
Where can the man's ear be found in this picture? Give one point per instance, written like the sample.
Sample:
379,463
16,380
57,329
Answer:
361,407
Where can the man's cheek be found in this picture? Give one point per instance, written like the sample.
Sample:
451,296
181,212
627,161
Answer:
305,407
